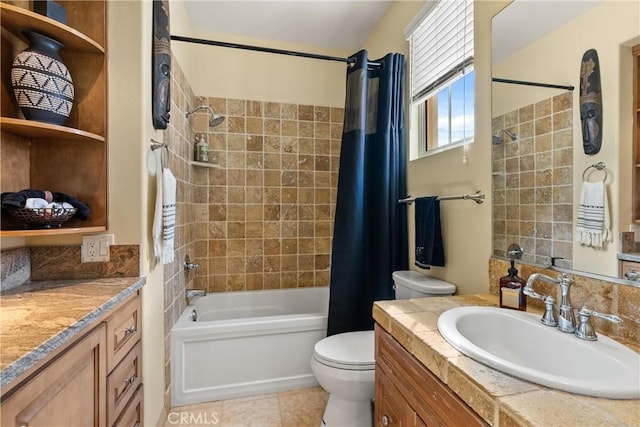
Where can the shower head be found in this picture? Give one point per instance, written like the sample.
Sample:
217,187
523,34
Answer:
214,119
498,137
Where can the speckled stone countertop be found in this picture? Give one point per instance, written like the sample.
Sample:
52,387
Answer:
498,398
629,256
39,317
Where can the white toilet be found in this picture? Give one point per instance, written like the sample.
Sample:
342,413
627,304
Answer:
344,364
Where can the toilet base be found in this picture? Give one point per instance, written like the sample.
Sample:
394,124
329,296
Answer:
353,413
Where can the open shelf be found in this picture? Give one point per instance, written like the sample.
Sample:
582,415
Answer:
205,165
17,19
40,130
31,232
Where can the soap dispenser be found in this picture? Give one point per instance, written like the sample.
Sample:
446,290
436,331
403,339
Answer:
511,285
201,153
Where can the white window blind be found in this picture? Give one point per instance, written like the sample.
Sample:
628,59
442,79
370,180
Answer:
441,46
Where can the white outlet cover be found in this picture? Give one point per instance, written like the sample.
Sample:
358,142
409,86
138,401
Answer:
96,248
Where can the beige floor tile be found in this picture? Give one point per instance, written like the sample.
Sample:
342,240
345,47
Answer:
251,412
303,408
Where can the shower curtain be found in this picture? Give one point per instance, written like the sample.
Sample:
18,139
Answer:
370,232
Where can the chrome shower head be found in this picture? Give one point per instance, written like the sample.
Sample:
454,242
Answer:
498,137
214,119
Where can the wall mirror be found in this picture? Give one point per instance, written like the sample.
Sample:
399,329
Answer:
537,155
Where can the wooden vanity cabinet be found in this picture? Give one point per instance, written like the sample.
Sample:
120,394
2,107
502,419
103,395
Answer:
69,391
408,394
77,387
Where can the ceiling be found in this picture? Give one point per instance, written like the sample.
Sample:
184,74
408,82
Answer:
324,23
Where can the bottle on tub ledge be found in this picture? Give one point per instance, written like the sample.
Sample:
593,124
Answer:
201,150
511,285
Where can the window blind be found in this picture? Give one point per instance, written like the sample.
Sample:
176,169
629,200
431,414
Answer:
441,46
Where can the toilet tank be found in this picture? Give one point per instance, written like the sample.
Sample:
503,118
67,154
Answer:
411,284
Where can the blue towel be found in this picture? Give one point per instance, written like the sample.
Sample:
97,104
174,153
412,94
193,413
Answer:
429,248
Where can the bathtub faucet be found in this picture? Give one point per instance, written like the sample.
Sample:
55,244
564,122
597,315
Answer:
193,294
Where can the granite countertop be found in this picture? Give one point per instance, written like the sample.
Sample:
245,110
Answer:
39,317
629,256
501,400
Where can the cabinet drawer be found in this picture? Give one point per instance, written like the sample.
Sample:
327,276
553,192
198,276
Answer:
123,382
630,270
433,401
123,331
132,414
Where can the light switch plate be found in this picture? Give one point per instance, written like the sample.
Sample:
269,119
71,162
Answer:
96,248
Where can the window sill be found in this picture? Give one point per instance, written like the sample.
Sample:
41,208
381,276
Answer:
442,149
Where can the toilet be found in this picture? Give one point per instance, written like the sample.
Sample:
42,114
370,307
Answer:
344,364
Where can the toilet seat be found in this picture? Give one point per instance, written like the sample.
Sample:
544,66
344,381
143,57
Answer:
353,351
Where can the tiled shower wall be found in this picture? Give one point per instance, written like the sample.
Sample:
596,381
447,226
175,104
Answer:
264,213
178,137
533,181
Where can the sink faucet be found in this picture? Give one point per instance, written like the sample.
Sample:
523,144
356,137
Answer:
566,320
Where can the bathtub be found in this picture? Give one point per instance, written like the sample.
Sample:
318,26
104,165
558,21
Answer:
246,343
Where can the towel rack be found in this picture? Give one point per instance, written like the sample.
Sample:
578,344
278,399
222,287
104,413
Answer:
155,145
477,197
599,166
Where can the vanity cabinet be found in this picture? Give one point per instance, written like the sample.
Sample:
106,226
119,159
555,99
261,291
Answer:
91,382
408,394
71,159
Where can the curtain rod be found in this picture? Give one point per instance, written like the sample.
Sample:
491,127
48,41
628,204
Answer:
266,49
526,83
477,197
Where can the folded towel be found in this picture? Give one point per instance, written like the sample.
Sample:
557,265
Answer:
429,248
19,200
164,222
593,222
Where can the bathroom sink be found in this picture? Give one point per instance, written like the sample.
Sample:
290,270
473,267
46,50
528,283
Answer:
517,344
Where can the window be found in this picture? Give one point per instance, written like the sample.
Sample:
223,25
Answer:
441,76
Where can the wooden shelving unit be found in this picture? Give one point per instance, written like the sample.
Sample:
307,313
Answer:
71,159
636,134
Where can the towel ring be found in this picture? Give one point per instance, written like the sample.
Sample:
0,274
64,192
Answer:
156,145
599,166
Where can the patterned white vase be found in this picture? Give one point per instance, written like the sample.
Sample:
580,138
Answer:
41,83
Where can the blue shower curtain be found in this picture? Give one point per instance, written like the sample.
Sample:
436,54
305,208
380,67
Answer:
370,232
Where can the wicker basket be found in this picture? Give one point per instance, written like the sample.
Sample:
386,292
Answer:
43,217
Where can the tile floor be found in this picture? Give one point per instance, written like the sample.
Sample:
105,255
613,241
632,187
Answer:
295,408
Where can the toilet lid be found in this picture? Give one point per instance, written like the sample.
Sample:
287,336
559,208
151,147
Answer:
350,350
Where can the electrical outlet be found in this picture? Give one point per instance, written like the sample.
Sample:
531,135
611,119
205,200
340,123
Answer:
96,248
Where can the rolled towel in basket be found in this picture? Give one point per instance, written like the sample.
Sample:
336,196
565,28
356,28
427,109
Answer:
19,200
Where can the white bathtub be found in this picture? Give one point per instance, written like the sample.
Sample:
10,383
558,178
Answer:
246,343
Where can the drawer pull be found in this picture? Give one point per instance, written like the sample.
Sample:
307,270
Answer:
131,379
385,421
130,330
632,275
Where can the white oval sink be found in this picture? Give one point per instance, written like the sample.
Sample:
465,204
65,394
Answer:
516,343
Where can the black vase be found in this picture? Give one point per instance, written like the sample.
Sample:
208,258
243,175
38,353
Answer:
41,83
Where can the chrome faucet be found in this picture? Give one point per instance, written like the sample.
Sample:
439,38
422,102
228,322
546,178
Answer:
566,321
585,330
193,294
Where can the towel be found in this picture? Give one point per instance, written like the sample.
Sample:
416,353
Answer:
429,248
592,225
19,199
164,220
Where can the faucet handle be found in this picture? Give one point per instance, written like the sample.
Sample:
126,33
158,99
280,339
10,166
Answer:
549,317
585,330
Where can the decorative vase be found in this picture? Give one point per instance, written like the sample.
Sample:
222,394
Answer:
41,83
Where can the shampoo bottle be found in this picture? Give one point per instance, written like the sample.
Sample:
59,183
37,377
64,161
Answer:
201,151
511,286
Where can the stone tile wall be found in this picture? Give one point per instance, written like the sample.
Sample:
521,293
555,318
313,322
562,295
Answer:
533,181
263,218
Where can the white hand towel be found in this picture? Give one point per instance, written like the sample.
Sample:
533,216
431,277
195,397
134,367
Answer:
593,222
164,222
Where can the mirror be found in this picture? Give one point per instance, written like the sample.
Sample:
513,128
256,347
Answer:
537,152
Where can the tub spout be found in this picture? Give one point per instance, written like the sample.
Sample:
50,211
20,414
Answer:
193,294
